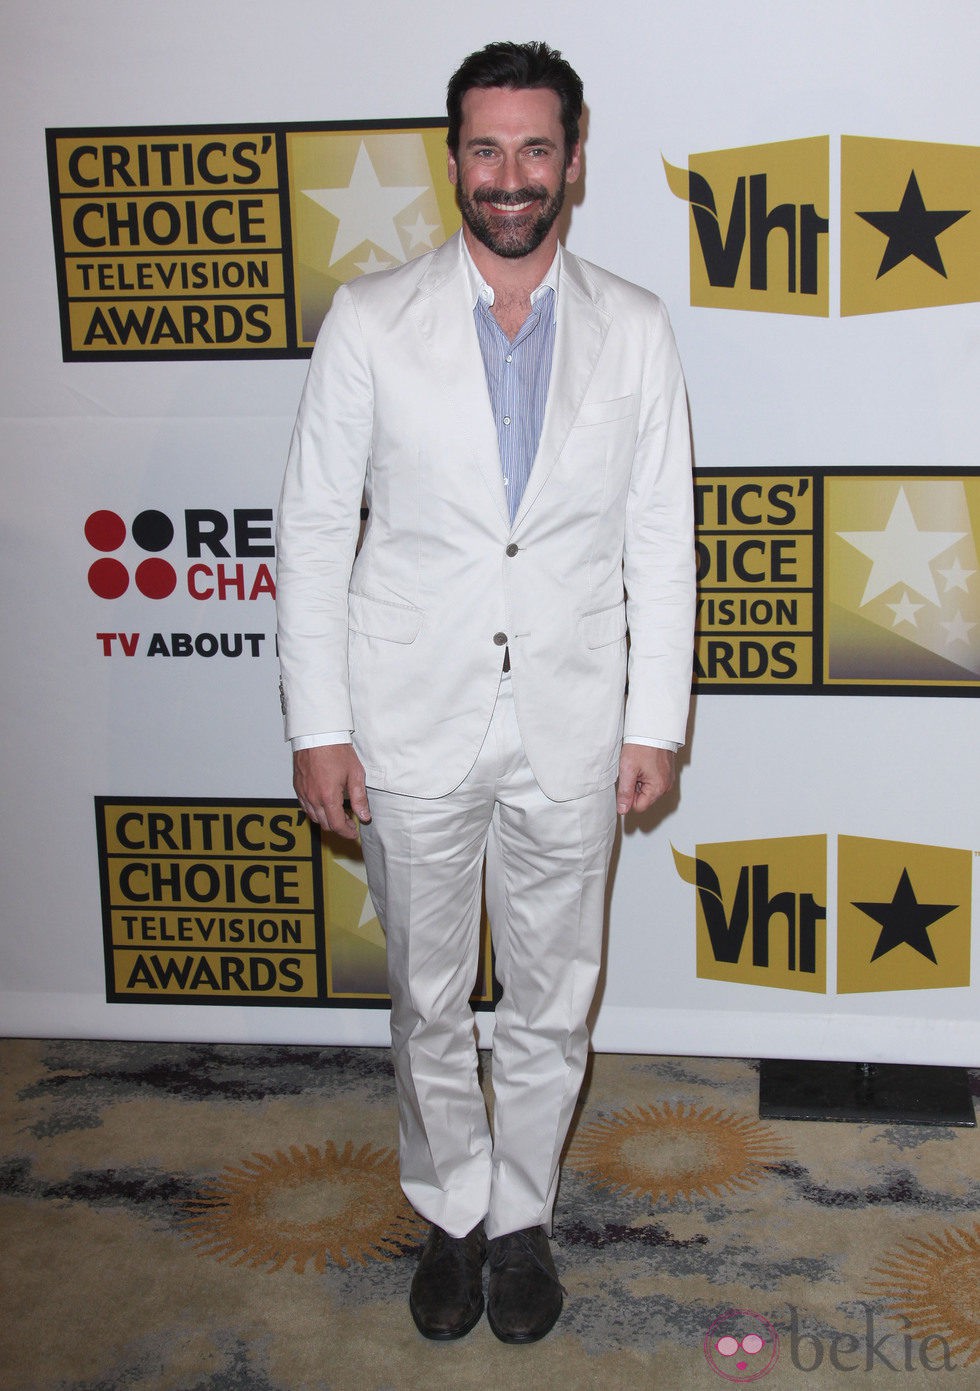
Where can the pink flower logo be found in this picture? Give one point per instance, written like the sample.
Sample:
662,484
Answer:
741,1346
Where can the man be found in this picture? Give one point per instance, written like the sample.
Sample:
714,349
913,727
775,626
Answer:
460,682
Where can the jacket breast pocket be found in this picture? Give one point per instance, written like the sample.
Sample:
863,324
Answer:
604,432
377,618
605,412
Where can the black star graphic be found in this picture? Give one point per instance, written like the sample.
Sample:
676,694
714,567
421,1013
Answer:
905,920
912,230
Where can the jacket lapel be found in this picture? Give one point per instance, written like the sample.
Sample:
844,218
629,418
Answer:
580,333
444,319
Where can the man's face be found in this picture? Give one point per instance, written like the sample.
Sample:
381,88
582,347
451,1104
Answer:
510,171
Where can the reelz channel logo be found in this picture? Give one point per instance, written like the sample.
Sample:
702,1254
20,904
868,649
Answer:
224,559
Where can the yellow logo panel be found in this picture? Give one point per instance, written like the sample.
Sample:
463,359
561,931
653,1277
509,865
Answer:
903,579
355,944
910,225
755,548
903,916
761,911
209,902
362,200
759,226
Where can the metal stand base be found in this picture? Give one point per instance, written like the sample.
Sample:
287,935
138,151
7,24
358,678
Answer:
879,1093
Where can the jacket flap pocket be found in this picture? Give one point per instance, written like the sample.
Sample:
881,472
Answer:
604,626
376,618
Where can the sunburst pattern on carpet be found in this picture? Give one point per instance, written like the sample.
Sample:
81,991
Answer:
933,1284
677,1151
306,1206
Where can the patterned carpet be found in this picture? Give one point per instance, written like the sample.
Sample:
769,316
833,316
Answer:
228,1218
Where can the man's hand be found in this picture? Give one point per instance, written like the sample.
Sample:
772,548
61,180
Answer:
645,774
323,777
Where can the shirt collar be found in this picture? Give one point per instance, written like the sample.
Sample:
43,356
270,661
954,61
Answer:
482,293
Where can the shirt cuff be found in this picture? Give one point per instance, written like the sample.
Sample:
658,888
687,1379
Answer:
651,743
314,741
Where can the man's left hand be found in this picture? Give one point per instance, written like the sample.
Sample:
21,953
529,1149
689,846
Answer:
645,774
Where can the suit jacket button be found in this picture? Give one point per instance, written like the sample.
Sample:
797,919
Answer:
512,549
500,639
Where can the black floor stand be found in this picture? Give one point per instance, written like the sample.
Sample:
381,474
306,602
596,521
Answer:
879,1093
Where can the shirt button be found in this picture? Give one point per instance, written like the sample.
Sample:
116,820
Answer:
506,419
509,357
500,639
512,549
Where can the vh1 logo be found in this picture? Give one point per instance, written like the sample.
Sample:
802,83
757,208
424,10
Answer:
760,227
761,911
903,914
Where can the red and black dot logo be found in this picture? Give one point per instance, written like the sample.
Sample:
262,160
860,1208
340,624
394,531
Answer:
153,532
242,535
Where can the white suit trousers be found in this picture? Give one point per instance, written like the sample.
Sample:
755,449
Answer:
545,883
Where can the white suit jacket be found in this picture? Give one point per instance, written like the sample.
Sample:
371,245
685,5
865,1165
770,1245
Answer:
403,642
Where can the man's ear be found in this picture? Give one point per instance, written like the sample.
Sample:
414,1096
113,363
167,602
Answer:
573,165
452,168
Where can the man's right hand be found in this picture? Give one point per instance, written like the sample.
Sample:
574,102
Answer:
323,777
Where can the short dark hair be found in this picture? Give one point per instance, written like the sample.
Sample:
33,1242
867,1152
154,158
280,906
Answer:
516,65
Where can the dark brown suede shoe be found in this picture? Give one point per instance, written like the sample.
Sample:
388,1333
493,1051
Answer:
525,1296
447,1289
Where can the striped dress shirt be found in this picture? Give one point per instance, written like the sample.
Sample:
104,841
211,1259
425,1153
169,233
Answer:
518,373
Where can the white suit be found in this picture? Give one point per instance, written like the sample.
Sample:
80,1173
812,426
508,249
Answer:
404,644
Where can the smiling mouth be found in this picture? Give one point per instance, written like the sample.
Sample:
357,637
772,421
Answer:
507,201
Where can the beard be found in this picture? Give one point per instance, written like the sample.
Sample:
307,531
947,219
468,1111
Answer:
511,235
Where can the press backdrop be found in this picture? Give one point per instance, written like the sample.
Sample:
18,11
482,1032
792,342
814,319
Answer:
801,184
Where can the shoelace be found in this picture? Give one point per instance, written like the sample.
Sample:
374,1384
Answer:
500,1253
461,1249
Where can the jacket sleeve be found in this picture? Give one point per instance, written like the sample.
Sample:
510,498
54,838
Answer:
319,521
659,559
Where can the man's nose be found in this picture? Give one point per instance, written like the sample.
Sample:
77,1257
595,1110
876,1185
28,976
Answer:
511,174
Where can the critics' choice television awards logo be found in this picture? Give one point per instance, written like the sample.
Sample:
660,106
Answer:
834,580
206,901
760,225
903,913
231,241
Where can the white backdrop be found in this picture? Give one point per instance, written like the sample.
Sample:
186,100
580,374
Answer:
779,390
